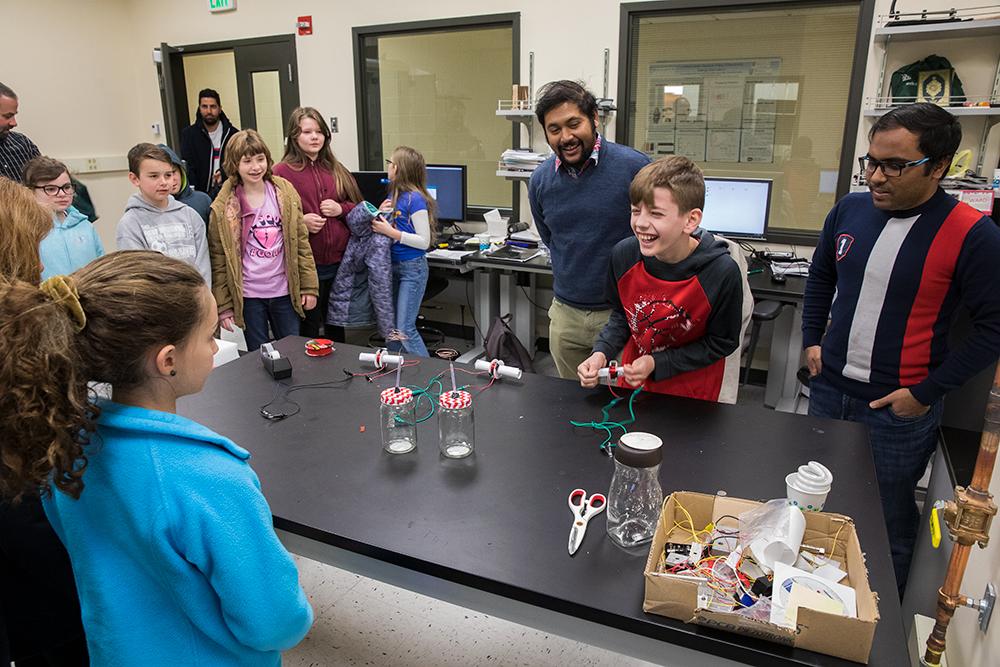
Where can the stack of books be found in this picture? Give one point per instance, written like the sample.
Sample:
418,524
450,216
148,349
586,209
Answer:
521,160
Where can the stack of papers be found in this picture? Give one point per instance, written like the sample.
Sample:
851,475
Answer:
520,160
790,268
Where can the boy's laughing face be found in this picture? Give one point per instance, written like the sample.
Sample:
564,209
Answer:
663,230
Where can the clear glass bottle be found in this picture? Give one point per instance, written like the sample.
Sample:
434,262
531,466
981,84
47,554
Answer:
458,437
399,420
635,497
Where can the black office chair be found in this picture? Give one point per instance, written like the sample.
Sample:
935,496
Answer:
763,311
431,335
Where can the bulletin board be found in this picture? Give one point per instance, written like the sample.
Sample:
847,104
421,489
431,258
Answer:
717,111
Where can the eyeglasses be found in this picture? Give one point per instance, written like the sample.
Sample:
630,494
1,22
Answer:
889,169
53,190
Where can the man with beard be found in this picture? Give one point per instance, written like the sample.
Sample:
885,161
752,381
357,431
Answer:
889,271
15,148
203,144
580,203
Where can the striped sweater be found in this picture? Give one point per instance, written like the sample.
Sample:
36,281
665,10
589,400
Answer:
890,283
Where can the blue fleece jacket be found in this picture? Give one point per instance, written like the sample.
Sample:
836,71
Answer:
581,219
69,245
173,549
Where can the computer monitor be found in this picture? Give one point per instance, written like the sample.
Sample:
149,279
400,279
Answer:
737,208
374,185
447,184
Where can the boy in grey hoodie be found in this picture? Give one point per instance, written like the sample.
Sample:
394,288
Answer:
154,220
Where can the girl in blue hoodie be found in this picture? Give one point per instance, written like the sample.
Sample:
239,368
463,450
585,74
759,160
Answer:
73,241
172,545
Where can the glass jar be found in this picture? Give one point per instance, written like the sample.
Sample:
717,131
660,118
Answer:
456,424
635,497
399,420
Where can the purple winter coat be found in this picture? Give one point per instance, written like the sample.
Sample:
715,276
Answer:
366,251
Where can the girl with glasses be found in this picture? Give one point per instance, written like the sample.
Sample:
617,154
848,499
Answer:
72,242
407,217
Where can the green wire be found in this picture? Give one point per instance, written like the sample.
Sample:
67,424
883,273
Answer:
609,426
420,393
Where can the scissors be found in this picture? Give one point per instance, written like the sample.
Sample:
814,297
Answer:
583,509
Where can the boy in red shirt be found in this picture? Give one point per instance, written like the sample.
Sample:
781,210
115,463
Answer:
677,293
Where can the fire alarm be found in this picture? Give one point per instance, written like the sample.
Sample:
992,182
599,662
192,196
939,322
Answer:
305,25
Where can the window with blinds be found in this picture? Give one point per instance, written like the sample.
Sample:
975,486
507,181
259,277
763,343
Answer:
758,93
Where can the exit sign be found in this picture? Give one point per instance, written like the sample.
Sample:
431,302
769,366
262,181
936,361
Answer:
221,5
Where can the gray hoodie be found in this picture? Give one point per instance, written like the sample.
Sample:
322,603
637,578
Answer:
176,231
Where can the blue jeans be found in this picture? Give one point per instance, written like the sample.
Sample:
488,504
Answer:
409,280
901,446
259,313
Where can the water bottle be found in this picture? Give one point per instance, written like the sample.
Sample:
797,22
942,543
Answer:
635,497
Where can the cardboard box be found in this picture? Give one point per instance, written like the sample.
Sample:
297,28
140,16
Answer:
848,638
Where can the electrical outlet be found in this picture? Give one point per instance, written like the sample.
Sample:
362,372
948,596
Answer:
333,125
91,164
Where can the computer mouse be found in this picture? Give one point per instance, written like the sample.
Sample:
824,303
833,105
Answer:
778,279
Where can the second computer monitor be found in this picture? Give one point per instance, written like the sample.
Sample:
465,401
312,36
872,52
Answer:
737,207
447,184
374,185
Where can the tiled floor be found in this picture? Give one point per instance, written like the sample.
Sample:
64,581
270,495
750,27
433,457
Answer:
361,621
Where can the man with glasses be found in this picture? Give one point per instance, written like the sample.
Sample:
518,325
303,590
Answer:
889,271
15,148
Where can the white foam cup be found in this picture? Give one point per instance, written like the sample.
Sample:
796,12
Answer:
808,487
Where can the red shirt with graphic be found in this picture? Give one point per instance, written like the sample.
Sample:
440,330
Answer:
687,316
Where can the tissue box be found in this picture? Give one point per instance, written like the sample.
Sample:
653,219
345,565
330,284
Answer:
848,638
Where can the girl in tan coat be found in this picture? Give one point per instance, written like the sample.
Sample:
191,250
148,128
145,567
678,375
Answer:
263,274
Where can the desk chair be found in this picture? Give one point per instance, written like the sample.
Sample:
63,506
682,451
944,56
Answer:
763,311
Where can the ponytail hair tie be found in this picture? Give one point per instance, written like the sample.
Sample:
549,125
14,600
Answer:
62,290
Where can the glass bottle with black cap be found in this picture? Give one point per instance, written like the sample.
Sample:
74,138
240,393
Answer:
635,496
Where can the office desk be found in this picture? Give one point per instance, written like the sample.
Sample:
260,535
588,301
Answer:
786,340
500,294
508,294
490,531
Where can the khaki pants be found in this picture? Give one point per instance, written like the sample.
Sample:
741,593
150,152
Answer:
572,333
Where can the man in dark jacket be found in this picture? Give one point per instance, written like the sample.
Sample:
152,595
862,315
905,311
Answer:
203,144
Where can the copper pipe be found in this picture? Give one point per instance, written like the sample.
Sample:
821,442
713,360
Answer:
964,532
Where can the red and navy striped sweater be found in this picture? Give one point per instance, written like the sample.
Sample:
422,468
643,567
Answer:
890,283
686,315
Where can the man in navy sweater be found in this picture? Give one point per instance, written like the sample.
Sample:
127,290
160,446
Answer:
899,261
579,201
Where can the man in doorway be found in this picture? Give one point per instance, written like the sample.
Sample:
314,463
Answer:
900,260
580,204
15,148
203,144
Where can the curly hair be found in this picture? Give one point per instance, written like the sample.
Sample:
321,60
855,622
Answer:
133,301
25,223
